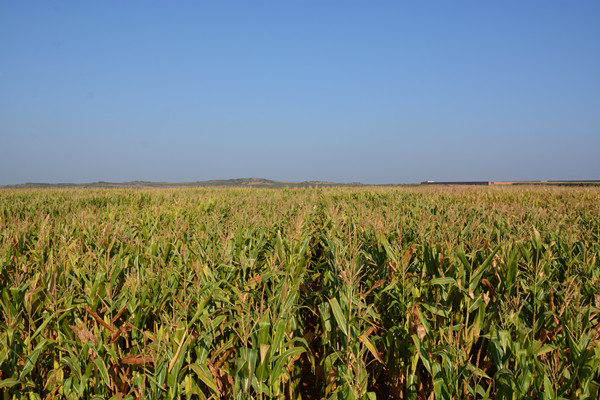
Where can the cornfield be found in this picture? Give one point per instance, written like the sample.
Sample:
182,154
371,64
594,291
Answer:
337,293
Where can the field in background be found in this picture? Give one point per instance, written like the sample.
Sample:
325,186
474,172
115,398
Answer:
347,293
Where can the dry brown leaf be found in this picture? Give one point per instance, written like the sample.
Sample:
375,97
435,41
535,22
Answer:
421,331
486,299
137,360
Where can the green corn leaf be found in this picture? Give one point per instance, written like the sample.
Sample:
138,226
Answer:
424,322
338,315
478,273
32,358
423,355
41,328
6,383
463,259
443,281
283,360
103,371
436,310
325,316
205,376
73,365
388,249
277,342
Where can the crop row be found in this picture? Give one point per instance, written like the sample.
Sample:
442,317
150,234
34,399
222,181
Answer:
408,293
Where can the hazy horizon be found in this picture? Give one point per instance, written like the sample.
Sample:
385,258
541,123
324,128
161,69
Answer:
377,92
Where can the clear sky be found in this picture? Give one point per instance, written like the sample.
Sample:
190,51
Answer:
369,91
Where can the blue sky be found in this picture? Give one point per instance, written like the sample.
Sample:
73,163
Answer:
369,91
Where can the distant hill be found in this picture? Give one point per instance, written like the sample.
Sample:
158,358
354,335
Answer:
267,183
240,182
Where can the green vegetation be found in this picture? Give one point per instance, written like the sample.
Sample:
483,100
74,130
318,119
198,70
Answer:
346,293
